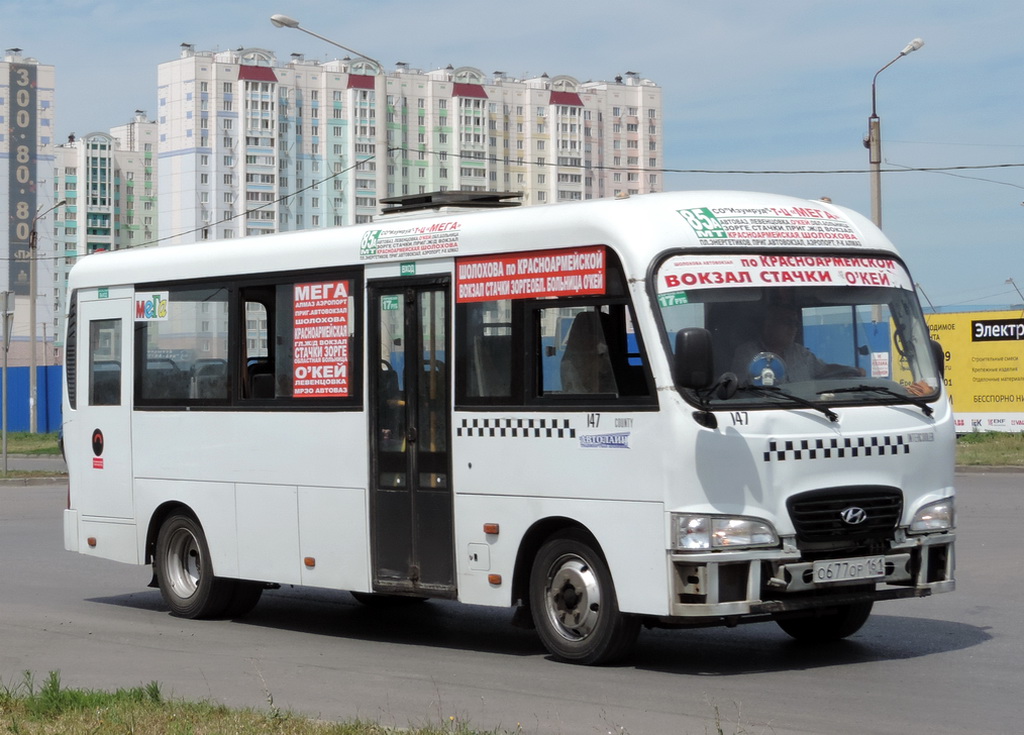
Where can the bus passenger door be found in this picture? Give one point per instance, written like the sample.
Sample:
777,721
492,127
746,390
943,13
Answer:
98,431
411,496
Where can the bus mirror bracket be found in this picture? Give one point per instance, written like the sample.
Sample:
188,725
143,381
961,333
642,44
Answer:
940,357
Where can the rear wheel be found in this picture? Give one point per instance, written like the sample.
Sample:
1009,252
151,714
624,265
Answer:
243,599
184,572
573,602
843,621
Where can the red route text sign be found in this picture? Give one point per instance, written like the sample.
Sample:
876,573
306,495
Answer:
321,325
695,271
531,275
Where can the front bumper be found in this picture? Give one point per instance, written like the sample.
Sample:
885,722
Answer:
731,587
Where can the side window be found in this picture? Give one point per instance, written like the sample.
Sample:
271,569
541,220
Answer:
487,343
182,347
589,351
565,331
105,362
71,351
266,342
298,339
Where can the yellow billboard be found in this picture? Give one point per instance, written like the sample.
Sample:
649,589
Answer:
984,353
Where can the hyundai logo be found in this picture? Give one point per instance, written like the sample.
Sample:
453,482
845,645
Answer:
853,515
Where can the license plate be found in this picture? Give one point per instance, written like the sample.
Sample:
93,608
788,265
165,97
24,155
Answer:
842,570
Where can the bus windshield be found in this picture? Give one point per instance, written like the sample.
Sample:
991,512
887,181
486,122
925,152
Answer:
820,328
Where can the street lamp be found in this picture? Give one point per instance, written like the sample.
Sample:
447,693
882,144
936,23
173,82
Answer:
283,21
874,140
33,421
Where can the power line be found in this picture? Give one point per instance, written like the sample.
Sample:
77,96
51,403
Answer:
522,161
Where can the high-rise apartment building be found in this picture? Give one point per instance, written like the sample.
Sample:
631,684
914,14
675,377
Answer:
27,201
249,146
108,184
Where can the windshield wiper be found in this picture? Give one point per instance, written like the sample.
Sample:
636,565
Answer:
777,392
904,398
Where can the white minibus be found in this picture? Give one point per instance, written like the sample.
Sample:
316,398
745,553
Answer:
668,410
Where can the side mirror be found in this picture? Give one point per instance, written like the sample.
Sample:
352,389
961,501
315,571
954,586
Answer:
693,366
940,357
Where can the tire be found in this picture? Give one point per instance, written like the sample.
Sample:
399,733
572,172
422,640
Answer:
243,599
184,572
573,602
832,626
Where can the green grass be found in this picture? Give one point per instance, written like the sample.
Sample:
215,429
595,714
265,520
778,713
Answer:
990,448
22,442
50,709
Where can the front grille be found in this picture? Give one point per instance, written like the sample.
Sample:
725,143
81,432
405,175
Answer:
872,512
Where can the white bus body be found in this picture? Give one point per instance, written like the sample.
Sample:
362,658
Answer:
572,433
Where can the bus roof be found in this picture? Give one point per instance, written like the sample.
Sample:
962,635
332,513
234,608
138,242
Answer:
636,227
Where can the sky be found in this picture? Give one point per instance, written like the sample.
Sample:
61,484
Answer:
748,86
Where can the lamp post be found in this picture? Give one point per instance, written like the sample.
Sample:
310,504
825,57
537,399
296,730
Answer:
33,421
874,140
1016,288
918,287
283,21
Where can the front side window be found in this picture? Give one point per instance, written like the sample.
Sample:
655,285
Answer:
822,328
548,327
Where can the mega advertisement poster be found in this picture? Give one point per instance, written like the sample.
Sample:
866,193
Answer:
322,319
984,352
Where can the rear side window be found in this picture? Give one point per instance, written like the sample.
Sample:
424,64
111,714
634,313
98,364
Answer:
104,362
262,342
182,346
71,352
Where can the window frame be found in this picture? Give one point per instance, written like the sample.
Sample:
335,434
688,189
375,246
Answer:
526,390
238,289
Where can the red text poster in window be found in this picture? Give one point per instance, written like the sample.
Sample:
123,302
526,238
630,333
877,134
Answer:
321,339
531,275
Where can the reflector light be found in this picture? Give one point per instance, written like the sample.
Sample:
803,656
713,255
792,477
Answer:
91,541
309,561
494,579
491,528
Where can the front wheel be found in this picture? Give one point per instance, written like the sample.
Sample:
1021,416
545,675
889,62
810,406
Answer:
573,602
184,572
844,621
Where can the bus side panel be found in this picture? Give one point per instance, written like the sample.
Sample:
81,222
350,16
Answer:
334,534
268,533
635,555
212,503
285,448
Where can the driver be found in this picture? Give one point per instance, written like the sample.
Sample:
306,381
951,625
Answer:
777,336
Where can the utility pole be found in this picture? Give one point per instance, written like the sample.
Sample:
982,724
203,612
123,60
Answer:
33,419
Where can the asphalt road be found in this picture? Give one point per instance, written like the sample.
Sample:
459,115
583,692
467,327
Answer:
949,664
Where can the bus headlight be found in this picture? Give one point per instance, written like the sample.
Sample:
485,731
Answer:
702,532
939,516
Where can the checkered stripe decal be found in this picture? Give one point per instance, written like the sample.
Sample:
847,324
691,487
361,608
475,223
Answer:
524,428
864,446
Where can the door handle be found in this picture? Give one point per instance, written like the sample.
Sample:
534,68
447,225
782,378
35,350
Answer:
411,434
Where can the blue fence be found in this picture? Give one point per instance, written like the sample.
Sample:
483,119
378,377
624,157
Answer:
47,398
